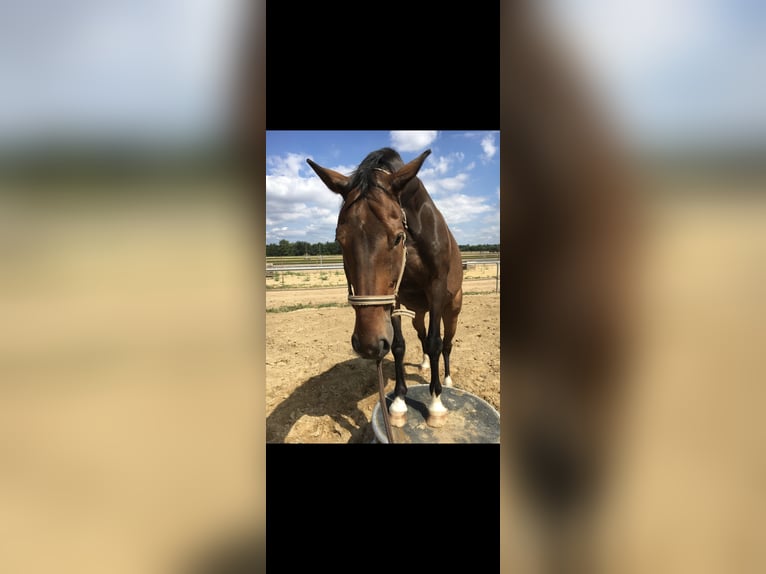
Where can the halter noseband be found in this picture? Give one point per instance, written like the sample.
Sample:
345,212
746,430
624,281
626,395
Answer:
362,300
371,300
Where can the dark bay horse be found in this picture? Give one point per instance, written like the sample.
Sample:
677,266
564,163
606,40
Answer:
571,236
398,250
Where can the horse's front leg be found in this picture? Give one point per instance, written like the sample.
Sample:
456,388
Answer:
437,412
398,408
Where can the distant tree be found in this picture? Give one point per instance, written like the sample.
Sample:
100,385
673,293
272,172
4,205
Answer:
491,247
331,248
286,248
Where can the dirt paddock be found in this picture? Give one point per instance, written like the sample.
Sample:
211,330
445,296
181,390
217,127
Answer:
319,391
130,419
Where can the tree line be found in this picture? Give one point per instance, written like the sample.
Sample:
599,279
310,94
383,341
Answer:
287,248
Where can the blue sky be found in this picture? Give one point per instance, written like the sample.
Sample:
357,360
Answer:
685,71
673,72
151,71
462,174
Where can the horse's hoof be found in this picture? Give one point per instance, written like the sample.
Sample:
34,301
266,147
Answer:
447,381
426,364
436,420
437,412
398,420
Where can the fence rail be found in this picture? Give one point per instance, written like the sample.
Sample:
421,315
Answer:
271,269
328,266
332,259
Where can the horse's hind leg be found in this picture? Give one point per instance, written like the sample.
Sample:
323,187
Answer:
398,408
437,412
450,326
419,322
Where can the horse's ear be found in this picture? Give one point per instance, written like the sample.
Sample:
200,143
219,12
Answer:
335,181
408,171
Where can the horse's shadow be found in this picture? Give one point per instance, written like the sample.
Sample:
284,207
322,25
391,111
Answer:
336,393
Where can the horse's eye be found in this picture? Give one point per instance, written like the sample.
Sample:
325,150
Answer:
398,239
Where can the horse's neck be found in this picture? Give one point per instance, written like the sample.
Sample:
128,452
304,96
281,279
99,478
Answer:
413,203
413,197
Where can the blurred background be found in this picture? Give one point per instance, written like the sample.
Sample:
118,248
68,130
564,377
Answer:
130,362
131,294
680,88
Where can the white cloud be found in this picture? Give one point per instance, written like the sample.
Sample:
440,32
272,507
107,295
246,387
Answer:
459,208
476,235
290,179
289,165
299,189
274,234
440,165
412,140
280,211
488,146
670,68
438,186
295,195
454,183
616,35
148,70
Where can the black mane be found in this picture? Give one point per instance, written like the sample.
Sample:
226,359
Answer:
384,158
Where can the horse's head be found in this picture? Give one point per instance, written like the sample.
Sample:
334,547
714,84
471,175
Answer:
371,232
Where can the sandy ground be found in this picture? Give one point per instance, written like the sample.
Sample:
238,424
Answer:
278,280
318,390
128,387
132,411
690,488
692,494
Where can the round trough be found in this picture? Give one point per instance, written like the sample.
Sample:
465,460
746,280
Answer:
469,420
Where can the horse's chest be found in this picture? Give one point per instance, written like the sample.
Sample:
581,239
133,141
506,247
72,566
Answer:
416,272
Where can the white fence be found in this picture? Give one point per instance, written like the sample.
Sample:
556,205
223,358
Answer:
271,269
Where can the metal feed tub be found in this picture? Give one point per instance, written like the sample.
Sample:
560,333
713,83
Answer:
470,419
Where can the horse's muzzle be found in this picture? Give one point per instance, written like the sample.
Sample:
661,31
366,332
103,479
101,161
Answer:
372,349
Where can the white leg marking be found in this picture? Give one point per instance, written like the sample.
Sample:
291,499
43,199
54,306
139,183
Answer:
436,407
426,364
448,381
398,412
437,412
398,406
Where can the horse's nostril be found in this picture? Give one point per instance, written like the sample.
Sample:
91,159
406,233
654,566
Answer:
368,349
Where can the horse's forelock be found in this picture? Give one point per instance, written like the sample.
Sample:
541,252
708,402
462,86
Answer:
384,158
